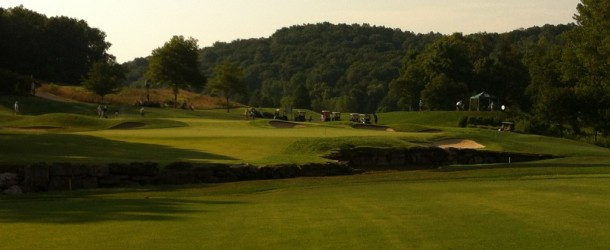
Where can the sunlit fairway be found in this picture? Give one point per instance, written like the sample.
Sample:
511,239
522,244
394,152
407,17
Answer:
248,141
215,136
524,208
553,204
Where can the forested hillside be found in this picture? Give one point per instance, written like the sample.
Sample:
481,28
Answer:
363,68
320,66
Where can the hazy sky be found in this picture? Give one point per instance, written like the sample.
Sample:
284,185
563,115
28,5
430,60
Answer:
136,27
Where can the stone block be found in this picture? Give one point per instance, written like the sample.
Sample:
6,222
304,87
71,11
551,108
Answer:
8,180
13,190
36,178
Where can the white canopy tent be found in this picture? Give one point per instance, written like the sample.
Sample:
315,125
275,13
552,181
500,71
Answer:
489,102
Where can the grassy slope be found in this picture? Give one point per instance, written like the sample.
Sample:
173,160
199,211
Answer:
217,136
432,119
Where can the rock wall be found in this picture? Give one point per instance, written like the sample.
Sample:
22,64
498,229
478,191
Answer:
425,157
70,176
66,176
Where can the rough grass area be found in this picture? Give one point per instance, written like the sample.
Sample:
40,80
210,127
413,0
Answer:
436,119
129,96
524,208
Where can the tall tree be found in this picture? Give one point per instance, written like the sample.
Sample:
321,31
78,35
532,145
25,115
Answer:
553,99
105,77
21,50
301,97
450,56
176,64
442,93
74,51
228,81
586,62
406,90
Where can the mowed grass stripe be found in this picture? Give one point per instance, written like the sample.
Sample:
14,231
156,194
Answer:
365,211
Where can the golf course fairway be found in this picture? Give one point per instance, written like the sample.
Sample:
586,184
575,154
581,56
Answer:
542,208
560,203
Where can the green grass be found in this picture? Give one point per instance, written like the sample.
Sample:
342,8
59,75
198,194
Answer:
522,208
170,135
434,119
553,204
29,105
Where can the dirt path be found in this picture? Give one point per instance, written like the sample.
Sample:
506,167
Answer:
53,97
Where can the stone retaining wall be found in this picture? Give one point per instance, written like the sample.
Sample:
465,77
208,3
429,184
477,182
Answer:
70,176
425,157
66,176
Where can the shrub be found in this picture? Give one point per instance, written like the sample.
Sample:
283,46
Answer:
472,121
463,122
13,83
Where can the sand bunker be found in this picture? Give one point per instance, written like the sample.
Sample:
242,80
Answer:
285,124
457,143
129,125
373,127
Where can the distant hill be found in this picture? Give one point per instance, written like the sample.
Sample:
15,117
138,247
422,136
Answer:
338,66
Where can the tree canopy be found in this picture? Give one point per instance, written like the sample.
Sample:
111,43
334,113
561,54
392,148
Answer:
105,77
228,81
343,67
58,49
176,63
587,63
364,68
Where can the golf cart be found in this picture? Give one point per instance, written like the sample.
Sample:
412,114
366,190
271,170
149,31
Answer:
507,126
300,116
365,118
325,116
279,116
335,116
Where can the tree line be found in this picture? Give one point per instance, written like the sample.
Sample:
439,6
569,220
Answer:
363,68
55,49
554,75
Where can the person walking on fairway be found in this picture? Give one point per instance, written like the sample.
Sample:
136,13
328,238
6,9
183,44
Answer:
16,107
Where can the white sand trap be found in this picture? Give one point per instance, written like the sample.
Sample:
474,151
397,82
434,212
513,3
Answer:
457,143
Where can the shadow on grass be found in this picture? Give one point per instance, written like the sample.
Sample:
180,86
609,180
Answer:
19,148
30,105
78,208
527,165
